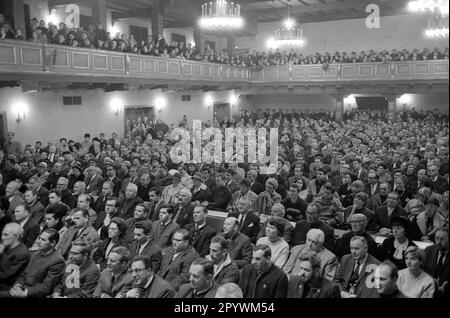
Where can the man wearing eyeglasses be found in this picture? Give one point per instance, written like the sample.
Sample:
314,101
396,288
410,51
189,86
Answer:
80,275
145,283
379,199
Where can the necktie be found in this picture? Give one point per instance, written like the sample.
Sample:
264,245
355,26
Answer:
439,264
355,274
138,248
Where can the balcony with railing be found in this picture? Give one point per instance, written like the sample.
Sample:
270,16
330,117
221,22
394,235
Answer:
50,62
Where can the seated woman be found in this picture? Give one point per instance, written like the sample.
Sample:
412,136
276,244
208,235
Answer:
274,239
358,207
116,237
413,281
394,247
427,222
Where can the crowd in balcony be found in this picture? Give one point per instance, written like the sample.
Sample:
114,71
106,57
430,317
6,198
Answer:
347,200
96,37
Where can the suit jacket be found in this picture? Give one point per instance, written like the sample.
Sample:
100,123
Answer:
186,291
362,176
431,259
227,272
302,227
125,183
273,283
240,249
117,184
158,288
163,236
176,271
99,204
152,250
440,185
200,239
320,288
37,212
328,262
233,186
126,208
31,231
100,256
42,196
382,219
12,263
79,282
42,273
14,203
257,188
386,252
184,215
251,225
375,202
88,234
154,211
121,285
345,271
131,224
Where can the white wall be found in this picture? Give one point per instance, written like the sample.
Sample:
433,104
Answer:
424,102
38,8
290,101
400,32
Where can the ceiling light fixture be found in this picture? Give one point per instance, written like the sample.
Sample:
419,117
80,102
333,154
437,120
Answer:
221,15
288,35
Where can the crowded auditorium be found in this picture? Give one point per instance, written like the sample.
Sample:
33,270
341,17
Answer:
255,149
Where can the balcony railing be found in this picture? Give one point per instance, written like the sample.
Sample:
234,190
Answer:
17,57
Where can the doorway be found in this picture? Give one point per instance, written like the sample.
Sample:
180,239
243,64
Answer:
137,114
222,112
371,103
3,129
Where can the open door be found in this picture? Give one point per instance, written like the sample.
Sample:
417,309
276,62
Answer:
222,111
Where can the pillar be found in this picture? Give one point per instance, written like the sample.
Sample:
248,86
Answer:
231,44
339,107
15,14
392,107
199,39
157,19
99,12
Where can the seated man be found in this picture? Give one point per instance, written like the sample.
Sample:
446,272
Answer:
202,284
225,271
383,215
144,245
30,226
229,290
249,223
262,279
115,280
313,222
436,260
14,255
43,272
309,283
177,259
353,273
239,247
386,275
200,233
146,284
163,229
80,275
220,194
314,243
278,211
140,214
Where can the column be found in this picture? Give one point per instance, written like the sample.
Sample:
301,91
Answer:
231,44
99,12
199,39
157,20
392,107
15,14
339,109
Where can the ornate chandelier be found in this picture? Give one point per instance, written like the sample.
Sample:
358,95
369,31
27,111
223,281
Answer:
288,35
221,15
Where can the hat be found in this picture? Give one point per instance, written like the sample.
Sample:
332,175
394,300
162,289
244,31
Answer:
43,165
198,176
403,221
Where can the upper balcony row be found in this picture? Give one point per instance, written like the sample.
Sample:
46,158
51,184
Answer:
19,58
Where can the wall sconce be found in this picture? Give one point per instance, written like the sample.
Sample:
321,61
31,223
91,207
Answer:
209,101
160,103
20,109
119,110
405,99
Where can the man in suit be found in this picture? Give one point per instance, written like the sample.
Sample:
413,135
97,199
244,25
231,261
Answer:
154,195
185,209
107,192
115,280
34,206
43,271
104,217
244,192
249,222
314,243
359,172
81,230
230,176
439,184
13,195
111,176
239,246
143,244
379,199
436,259
62,185
220,194
262,279
30,227
177,259
355,273
130,201
372,187
163,229
309,282
225,271
140,214
80,275
200,233
14,255
201,282
145,283
132,179
383,215
255,186
93,180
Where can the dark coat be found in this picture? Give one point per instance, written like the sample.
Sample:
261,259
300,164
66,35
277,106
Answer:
343,244
31,231
176,271
126,208
220,196
163,236
381,218
186,291
42,274
12,264
273,283
84,287
184,215
200,239
121,285
257,188
37,212
431,259
386,252
100,257
152,250
240,249
229,273
251,226
302,227
320,288
158,288
154,211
